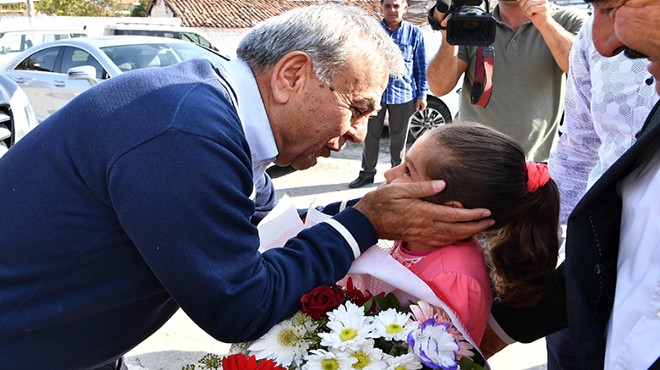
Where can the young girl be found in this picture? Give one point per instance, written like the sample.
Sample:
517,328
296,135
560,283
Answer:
484,169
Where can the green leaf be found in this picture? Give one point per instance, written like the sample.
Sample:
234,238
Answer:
386,302
467,364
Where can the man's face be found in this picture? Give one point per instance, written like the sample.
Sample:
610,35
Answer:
324,116
629,25
393,11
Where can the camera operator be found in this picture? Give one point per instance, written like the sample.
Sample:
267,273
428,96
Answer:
531,44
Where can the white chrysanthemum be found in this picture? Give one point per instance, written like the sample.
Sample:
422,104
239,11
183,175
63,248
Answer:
322,359
368,357
393,325
349,327
434,345
409,361
284,343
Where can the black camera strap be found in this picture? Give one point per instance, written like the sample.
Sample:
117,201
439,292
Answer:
483,76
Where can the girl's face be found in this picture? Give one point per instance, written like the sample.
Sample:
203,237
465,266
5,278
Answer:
413,167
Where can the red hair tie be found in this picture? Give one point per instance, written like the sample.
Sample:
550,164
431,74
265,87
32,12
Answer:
537,175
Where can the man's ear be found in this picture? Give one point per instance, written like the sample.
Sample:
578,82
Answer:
289,74
453,204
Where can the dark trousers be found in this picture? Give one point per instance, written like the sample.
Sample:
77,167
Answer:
399,115
561,351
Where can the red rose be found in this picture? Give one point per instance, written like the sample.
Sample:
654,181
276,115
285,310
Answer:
321,300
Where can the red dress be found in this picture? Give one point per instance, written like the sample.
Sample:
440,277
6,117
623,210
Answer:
458,276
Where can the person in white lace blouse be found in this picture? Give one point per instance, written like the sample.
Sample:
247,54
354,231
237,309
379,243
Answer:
607,101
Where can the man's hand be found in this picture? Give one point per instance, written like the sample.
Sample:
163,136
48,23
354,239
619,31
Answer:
398,213
535,10
420,104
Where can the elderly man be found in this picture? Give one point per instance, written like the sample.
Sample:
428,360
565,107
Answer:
612,267
135,199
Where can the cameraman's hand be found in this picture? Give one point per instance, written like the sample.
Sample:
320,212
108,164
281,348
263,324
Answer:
440,17
397,213
535,10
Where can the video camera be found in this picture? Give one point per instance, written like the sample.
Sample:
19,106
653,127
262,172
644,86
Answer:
469,22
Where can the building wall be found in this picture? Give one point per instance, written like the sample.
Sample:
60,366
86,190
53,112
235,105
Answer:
94,26
225,39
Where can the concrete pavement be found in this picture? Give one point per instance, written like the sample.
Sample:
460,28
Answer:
180,342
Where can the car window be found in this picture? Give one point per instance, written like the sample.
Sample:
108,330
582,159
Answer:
75,57
130,57
12,43
43,61
197,39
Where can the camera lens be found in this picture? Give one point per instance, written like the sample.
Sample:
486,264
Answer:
471,26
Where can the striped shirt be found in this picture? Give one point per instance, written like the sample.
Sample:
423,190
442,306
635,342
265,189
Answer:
413,84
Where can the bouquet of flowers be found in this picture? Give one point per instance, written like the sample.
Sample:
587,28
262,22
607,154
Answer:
342,327
345,326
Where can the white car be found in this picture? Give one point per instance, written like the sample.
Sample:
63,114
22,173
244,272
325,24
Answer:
16,115
15,41
53,73
440,109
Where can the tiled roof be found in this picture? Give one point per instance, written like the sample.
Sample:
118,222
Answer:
247,13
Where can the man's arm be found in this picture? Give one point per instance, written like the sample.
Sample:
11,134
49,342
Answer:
445,69
557,38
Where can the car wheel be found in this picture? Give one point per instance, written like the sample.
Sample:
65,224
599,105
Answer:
16,114
436,114
6,126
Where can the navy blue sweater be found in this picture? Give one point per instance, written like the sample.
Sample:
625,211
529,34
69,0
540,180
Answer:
133,201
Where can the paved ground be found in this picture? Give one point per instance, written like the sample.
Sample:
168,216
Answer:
181,342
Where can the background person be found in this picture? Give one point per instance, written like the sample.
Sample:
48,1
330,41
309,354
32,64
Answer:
532,42
607,101
402,96
612,256
134,200
524,202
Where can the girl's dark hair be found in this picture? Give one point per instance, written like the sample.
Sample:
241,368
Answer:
484,168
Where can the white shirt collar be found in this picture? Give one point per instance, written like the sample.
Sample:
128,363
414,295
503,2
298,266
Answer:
253,116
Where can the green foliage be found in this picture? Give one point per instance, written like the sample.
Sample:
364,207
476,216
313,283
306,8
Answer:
13,7
209,361
382,303
467,364
140,10
86,8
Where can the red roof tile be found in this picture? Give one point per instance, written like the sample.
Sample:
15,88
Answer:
247,13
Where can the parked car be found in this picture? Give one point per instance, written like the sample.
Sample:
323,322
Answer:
53,73
13,42
160,30
16,115
440,109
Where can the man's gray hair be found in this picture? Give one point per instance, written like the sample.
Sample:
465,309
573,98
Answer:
327,33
